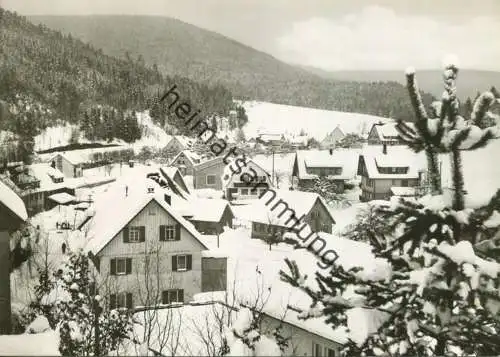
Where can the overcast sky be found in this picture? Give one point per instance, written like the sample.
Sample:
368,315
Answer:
330,34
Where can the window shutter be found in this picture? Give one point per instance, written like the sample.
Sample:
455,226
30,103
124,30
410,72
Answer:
125,235
189,262
174,262
180,295
177,232
113,267
162,233
112,301
129,300
129,266
164,297
142,236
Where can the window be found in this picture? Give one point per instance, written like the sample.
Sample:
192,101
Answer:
210,179
120,301
169,233
321,351
253,192
121,266
172,295
404,183
182,262
244,191
134,234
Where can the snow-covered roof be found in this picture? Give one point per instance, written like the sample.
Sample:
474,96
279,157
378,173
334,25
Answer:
109,218
208,163
62,198
270,137
346,159
301,203
75,157
37,344
249,164
13,202
193,157
170,172
299,140
397,157
389,132
44,172
207,209
403,191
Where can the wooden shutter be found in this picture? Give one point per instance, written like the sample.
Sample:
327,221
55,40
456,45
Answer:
180,295
129,300
128,266
164,297
125,235
174,262
162,233
177,232
112,268
112,301
142,234
189,262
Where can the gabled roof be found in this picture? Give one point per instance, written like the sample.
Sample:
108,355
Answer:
208,163
44,172
109,218
388,131
208,209
301,202
13,202
75,157
190,155
249,162
397,156
322,158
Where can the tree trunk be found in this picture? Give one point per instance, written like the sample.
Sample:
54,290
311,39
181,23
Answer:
458,181
433,172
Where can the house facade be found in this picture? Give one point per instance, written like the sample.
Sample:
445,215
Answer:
270,215
210,216
330,141
238,189
385,173
185,162
310,165
208,174
70,166
153,256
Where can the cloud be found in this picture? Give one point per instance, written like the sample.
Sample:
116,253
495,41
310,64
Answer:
378,38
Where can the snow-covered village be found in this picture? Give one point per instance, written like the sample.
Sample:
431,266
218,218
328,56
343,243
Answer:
160,199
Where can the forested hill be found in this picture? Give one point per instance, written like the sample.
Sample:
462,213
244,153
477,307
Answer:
183,49
53,77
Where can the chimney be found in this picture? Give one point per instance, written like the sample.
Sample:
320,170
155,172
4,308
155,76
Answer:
384,149
331,151
151,190
168,199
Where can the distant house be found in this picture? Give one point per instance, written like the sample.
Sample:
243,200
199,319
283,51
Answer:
174,177
69,163
298,142
386,173
179,143
271,213
309,165
236,189
143,245
208,174
12,215
185,161
330,141
381,133
210,216
274,140
50,182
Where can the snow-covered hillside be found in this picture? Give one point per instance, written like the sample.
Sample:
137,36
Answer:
277,118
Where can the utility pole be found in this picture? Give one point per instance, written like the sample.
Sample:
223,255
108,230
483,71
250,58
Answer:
273,168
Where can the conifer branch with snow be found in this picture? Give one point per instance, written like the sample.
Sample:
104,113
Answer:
438,291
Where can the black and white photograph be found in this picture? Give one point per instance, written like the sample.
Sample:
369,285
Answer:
250,178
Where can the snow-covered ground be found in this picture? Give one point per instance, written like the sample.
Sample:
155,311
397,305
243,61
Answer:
278,118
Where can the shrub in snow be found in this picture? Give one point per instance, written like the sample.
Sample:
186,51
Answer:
68,301
326,188
443,292
245,337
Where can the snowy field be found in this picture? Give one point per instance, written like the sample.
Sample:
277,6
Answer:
278,118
